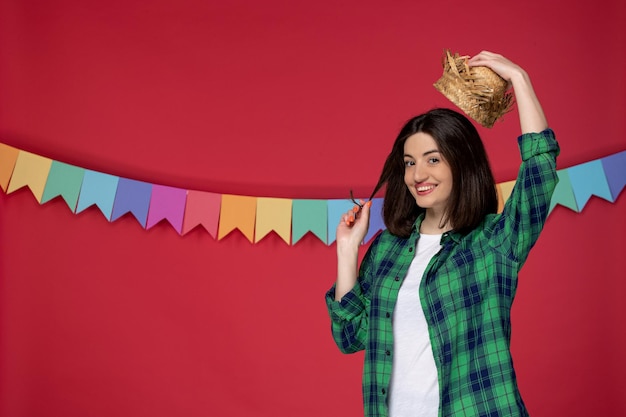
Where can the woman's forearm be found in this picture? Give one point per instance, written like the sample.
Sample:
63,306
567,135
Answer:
532,118
347,262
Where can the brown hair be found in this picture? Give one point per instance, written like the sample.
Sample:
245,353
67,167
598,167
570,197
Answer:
473,193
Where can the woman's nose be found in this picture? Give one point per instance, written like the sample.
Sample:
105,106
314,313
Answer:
419,175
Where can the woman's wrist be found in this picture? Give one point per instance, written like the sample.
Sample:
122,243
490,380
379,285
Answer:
520,79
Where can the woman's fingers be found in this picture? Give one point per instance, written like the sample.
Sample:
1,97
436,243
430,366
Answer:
498,63
351,216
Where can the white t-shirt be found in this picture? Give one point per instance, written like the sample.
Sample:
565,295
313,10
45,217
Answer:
414,387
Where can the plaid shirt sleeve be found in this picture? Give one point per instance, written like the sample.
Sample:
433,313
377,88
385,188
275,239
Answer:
519,225
350,317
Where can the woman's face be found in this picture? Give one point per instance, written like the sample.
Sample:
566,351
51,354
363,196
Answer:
426,173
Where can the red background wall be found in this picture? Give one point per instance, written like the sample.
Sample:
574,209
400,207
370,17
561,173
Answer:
276,99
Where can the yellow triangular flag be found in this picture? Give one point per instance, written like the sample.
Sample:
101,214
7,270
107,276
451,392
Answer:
273,214
237,212
31,170
504,192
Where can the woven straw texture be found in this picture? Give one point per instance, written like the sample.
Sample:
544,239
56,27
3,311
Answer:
478,91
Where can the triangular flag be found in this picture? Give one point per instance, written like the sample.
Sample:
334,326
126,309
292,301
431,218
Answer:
167,203
615,171
64,180
309,216
202,208
376,219
30,170
589,179
98,189
132,197
563,193
273,214
336,209
504,192
237,212
500,199
8,156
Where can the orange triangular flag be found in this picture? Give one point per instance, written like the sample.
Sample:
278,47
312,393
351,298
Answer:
237,212
8,156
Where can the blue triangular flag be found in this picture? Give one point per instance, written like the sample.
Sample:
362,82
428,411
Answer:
98,189
588,179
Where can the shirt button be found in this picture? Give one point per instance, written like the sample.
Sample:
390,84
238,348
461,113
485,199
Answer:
397,278
411,249
387,315
384,391
387,353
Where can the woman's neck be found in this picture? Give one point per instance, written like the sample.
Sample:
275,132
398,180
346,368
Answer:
433,225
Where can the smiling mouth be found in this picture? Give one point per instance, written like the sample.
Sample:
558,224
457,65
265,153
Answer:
425,188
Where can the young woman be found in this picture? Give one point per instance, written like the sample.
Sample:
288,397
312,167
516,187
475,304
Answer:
431,300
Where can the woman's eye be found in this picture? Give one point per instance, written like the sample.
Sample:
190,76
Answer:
433,160
409,163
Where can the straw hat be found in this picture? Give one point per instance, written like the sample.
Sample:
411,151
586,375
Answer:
478,91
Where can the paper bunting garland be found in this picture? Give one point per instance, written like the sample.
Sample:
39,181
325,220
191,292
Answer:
167,203
64,180
273,214
203,209
309,216
132,197
32,170
254,217
97,189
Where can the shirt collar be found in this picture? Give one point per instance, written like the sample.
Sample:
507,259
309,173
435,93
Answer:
450,235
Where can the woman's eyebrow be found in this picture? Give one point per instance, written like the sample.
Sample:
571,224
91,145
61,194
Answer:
424,154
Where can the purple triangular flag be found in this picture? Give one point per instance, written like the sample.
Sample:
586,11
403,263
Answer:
376,219
615,172
134,197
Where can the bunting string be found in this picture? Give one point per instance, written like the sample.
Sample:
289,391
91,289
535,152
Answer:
254,217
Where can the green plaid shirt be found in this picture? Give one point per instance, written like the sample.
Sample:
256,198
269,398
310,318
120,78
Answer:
466,292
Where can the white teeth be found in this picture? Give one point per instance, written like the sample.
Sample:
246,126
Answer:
425,188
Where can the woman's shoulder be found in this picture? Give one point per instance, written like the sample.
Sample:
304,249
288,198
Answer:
386,237
386,242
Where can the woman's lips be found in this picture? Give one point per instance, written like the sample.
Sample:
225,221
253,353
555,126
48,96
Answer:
424,189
